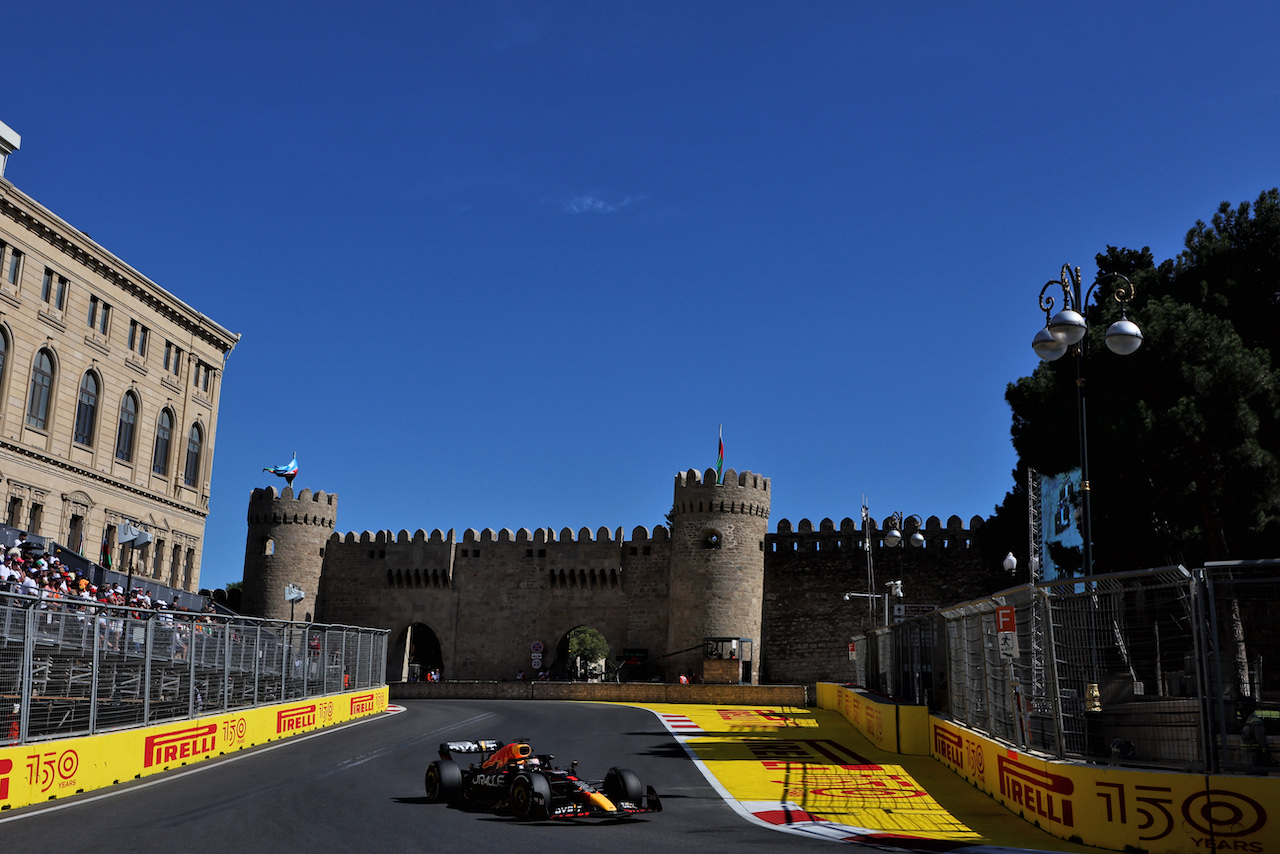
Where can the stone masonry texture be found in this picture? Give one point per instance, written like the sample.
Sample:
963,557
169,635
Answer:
479,603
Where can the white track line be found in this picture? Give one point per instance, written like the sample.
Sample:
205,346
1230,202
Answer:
205,766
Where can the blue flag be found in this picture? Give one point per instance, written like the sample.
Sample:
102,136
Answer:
288,471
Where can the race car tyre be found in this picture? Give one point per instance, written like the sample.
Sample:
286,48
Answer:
444,781
531,797
621,784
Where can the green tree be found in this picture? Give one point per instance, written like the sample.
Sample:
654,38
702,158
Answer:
587,647
1183,434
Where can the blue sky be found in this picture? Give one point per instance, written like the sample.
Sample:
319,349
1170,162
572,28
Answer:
512,264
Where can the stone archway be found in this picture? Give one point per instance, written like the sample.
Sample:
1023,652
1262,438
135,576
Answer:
414,655
582,655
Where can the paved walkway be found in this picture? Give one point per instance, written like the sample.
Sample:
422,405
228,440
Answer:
808,771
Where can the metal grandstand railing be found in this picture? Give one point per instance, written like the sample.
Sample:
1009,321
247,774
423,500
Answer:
1152,668
69,668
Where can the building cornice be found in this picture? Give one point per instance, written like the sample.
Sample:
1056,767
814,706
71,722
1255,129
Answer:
57,232
114,483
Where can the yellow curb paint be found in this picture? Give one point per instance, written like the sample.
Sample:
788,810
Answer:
808,758
795,767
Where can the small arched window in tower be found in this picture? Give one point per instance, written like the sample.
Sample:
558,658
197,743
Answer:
268,546
711,539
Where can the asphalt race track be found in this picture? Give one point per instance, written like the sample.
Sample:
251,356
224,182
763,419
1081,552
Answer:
358,788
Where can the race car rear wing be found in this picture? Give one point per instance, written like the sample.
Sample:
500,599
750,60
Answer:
484,746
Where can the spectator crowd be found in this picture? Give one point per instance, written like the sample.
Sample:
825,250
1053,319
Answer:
51,584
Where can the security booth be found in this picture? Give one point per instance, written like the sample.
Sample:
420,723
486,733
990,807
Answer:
727,661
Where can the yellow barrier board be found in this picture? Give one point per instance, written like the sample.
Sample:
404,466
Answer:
1098,805
889,726
1118,808
42,771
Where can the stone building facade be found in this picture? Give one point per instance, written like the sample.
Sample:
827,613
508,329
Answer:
487,604
109,389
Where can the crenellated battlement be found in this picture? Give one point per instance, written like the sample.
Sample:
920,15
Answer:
270,493
270,507
937,537
539,536
731,479
740,493
641,535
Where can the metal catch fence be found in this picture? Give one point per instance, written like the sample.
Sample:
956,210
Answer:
1155,668
72,669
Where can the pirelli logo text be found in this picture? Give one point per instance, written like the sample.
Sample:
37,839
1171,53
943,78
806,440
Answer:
179,744
364,703
296,718
1043,793
949,745
874,721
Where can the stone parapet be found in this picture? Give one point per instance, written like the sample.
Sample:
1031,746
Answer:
605,692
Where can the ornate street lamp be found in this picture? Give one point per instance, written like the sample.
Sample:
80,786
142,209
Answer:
1065,331
893,538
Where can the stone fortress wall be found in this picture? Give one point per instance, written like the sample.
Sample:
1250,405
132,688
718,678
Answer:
477,602
808,624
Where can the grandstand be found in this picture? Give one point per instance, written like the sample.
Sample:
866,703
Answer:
73,666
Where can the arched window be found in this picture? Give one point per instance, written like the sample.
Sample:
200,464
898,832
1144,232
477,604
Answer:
87,409
164,431
4,352
124,432
194,439
41,391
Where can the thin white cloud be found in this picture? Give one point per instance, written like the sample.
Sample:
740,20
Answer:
591,204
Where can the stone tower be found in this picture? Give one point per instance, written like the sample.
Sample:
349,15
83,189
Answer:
285,545
717,563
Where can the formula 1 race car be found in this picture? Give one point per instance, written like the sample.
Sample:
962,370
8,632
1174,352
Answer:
510,778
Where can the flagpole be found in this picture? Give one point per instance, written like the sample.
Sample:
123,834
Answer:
720,458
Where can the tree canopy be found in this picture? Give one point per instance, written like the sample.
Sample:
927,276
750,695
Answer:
1184,434
587,650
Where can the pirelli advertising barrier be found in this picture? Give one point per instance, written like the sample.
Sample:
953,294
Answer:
888,725
1099,805
1118,808
46,770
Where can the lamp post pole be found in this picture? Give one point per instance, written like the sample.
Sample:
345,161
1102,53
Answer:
892,539
871,572
1065,331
